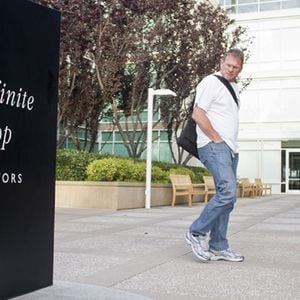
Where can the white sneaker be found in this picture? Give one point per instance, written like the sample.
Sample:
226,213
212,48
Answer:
199,245
228,255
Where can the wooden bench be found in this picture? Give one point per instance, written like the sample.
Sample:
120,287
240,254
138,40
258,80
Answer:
247,187
210,187
182,186
262,188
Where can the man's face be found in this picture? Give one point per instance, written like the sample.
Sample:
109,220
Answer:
230,67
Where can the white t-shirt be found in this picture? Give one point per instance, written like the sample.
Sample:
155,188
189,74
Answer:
213,97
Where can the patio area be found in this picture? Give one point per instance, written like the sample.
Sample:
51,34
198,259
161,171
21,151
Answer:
141,254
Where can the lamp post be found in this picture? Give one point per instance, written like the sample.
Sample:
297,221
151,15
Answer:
151,94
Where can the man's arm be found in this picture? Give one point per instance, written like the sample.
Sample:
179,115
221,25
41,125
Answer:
199,116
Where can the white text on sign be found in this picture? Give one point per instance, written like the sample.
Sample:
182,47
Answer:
5,137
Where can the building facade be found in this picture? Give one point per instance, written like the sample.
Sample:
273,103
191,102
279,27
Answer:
269,135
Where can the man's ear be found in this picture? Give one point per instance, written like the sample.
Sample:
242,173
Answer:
221,62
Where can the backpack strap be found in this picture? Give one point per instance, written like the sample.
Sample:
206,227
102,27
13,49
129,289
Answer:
229,87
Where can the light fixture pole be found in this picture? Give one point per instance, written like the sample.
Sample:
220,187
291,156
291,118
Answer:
151,94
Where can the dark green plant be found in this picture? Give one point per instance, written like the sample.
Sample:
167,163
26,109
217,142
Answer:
71,164
165,165
199,173
159,176
124,169
116,169
102,170
80,166
138,172
184,171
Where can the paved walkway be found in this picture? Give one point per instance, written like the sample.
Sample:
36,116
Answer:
141,254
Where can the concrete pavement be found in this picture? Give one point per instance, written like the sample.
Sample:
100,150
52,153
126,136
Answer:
141,254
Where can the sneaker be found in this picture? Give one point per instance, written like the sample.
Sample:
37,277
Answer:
202,240
228,255
199,245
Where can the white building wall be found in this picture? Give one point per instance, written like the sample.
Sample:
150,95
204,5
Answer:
270,109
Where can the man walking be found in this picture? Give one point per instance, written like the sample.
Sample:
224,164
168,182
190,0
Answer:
216,114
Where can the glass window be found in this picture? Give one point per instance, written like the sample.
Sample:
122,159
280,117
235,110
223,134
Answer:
229,2
160,147
130,135
118,137
155,152
290,4
156,116
107,136
122,117
283,164
144,154
107,148
247,8
248,2
70,144
231,9
120,149
270,6
144,116
80,133
163,136
154,134
95,148
290,144
84,145
106,119
294,171
136,135
164,152
65,144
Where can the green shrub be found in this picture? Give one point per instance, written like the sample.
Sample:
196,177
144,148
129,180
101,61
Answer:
166,166
158,175
115,169
199,173
102,170
110,169
196,175
184,171
124,169
71,164
138,172
80,165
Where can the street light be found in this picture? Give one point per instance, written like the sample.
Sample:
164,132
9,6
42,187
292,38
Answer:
151,94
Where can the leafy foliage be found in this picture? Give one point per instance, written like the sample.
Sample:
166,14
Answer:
103,170
72,164
184,171
112,51
81,97
138,172
79,166
116,169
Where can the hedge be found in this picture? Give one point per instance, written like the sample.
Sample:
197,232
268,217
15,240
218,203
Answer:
79,166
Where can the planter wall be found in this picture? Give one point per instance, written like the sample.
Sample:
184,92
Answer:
113,195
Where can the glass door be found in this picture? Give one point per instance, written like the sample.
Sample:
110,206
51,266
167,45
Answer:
293,171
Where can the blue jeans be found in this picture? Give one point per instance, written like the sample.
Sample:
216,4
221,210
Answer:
222,163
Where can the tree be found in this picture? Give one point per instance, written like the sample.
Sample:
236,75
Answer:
113,51
204,34
172,44
82,96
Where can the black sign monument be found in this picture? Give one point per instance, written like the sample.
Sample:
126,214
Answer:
29,46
